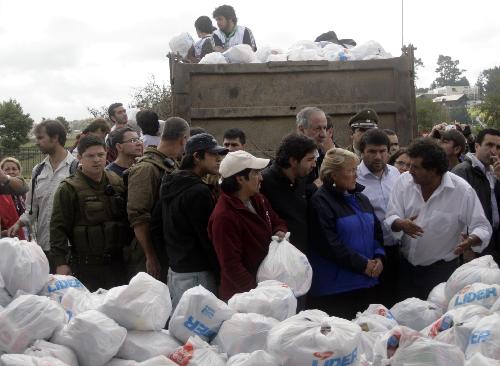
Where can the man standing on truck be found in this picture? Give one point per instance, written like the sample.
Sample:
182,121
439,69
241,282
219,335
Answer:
230,33
361,122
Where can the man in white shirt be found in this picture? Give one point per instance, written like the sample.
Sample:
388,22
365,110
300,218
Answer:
58,164
378,178
437,215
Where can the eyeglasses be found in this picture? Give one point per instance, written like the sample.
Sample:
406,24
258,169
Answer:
402,164
133,140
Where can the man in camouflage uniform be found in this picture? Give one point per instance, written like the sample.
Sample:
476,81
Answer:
88,227
147,253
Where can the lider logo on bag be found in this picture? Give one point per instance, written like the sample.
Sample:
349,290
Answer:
197,327
479,336
63,284
468,297
325,360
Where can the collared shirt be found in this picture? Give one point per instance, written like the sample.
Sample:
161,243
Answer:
492,179
378,190
452,209
46,186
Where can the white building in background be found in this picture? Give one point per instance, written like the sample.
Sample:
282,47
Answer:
471,92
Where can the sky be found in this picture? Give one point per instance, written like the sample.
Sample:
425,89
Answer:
60,57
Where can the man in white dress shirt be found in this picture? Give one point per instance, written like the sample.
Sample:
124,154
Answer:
437,215
379,178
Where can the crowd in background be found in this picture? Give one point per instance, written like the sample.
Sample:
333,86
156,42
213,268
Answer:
378,222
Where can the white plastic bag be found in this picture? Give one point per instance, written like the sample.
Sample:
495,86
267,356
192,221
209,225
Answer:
213,58
427,352
25,360
5,297
415,313
279,57
57,286
200,313
196,352
304,54
23,266
26,319
482,269
305,44
386,346
287,264
496,306
370,50
438,296
143,345
244,333
485,338
240,54
269,298
143,304
256,358
75,301
311,337
476,294
181,44
93,336
43,348
158,361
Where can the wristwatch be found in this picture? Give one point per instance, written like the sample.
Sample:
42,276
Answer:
5,183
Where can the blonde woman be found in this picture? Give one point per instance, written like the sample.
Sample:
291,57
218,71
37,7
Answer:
346,240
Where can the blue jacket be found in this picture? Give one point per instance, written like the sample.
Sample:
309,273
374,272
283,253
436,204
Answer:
344,235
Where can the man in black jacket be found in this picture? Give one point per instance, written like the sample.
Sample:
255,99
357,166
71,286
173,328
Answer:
284,184
482,170
187,203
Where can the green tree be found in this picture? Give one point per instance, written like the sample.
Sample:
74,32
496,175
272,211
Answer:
449,73
99,112
155,97
14,124
65,123
489,85
429,114
418,63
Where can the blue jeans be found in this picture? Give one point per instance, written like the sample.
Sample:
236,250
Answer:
178,283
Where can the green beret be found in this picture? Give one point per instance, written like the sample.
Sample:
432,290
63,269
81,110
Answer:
366,118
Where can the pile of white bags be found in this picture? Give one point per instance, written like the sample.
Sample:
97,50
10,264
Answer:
482,270
269,298
143,304
196,352
43,348
23,266
58,285
311,336
244,333
26,319
415,313
200,313
155,361
143,345
93,336
476,294
213,58
181,44
5,297
286,264
256,358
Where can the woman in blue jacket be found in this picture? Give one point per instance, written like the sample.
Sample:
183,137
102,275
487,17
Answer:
346,240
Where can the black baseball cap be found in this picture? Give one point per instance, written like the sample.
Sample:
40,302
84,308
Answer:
204,142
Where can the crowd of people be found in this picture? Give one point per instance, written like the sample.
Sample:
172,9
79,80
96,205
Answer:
379,223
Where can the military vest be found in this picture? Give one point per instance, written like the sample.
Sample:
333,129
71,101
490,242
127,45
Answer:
101,227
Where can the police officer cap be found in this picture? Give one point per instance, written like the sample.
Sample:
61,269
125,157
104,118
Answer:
366,118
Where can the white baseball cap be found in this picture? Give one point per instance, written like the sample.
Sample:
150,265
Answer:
236,161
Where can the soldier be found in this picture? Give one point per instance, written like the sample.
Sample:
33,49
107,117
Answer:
361,122
89,225
143,184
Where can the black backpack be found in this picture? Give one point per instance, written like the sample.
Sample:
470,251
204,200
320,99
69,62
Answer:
38,170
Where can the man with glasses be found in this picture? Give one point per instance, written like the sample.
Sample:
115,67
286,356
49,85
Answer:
129,146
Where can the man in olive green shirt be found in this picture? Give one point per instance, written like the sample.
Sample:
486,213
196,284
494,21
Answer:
89,227
143,187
